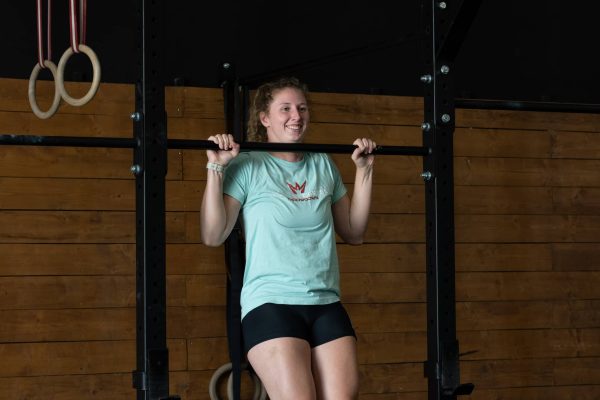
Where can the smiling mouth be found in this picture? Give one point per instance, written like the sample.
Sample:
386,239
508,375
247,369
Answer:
294,127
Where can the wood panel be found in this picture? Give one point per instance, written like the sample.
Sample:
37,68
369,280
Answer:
386,378
576,144
202,102
486,142
524,344
113,99
383,135
69,387
66,292
394,228
35,359
382,287
502,200
588,392
506,119
477,142
64,325
25,161
526,172
494,286
366,109
576,256
89,227
110,99
504,257
67,194
103,259
527,314
513,373
580,200
527,228
577,371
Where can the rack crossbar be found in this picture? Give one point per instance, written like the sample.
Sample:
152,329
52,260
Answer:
108,142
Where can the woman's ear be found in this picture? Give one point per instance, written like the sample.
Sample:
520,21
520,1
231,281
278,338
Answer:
264,119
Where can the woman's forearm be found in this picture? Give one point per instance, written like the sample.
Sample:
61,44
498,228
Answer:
213,217
360,204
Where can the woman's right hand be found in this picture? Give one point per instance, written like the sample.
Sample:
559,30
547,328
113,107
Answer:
229,149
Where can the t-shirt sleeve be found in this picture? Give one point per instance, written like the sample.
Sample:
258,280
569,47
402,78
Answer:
339,189
235,183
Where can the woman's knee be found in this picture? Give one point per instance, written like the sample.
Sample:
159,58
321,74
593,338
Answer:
284,367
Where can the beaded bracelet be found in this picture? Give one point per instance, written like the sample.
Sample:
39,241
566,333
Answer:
215,167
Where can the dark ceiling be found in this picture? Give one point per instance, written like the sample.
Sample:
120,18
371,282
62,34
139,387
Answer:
516,49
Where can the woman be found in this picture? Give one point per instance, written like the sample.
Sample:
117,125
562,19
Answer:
298,336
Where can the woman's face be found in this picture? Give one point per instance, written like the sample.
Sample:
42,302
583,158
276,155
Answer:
288,117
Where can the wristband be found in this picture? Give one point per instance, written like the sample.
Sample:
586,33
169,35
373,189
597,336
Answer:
215,167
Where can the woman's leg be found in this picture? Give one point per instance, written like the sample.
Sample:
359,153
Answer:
335,369
284,367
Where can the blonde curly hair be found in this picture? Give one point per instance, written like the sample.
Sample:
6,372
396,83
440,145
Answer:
262,101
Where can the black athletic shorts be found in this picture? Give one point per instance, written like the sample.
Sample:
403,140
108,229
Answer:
317,324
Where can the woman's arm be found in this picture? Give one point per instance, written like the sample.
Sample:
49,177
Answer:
351,216
218,212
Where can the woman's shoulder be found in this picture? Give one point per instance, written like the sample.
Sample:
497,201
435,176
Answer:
246,160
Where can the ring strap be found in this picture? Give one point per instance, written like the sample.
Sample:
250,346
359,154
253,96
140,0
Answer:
40,48
77,37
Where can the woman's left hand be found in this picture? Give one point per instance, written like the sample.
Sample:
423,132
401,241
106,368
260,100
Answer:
363,155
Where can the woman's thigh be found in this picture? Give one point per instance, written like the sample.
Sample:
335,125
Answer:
335,369
284,367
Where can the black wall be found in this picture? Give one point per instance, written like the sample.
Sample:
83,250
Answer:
517,49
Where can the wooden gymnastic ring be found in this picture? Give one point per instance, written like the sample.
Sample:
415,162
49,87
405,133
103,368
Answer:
32,84
259,392
60,79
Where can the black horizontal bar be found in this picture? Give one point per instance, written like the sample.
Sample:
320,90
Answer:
300,147
70,141
67,141
515,105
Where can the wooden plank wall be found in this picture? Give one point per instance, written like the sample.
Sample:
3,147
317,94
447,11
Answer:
527,228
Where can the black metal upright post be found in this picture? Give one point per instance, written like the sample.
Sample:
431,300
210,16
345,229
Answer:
234,245
445,25
151,378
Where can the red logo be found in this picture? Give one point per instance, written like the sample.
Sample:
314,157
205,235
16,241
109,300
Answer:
295,189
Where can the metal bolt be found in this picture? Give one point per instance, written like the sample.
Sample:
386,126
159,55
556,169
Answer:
445,118
136,169
426,176
426,126
442,5
136,116
445,69
226,65
426,78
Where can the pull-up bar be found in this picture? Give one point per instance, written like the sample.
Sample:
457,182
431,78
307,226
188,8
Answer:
126,143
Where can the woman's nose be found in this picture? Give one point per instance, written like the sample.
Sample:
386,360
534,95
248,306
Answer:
295,113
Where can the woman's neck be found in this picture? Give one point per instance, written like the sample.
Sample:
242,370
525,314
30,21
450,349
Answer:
291,157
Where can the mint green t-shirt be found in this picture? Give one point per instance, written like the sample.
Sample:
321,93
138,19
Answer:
288,225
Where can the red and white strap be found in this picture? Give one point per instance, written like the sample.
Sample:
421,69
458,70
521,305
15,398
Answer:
77,36
41,57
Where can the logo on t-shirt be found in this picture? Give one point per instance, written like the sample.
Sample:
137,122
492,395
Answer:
295,189
300,188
